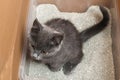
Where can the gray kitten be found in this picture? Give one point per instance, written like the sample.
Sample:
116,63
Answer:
58,44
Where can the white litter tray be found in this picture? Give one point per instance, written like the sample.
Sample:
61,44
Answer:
97,63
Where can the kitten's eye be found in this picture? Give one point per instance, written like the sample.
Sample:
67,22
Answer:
33,46
43,52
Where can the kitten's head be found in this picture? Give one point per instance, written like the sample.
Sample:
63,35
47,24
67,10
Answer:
44,41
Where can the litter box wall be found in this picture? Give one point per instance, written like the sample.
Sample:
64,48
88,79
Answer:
116,38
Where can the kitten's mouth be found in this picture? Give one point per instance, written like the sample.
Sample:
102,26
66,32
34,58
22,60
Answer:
39,57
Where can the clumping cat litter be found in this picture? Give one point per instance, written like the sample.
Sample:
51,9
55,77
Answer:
97,63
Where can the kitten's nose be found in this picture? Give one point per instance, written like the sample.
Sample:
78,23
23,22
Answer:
35,55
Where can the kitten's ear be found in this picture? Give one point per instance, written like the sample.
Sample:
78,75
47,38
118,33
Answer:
57,38
36,25
35,28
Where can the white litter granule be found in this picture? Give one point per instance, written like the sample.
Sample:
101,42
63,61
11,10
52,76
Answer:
97,63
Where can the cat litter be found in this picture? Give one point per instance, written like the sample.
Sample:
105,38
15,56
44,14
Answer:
97,63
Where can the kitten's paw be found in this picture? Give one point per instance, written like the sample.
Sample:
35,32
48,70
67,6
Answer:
53,68
67,68
66,72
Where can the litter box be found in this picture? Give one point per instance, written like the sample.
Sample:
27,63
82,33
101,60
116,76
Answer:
30,70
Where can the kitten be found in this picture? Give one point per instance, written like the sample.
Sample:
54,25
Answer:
58,44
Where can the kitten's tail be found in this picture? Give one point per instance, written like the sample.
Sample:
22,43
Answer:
88,33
